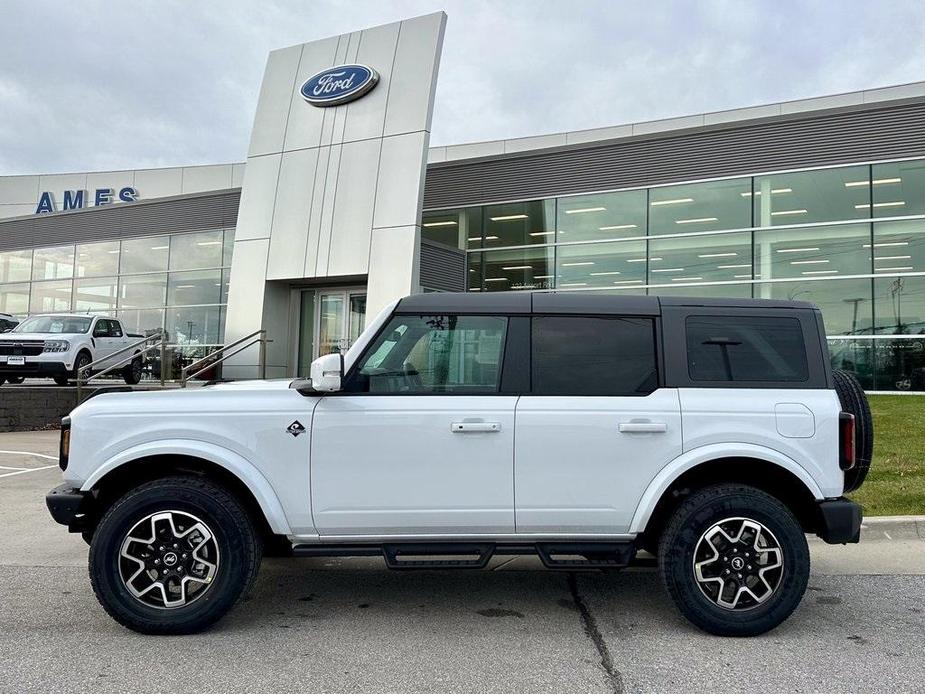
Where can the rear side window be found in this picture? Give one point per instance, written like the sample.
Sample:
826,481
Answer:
746,348
576,355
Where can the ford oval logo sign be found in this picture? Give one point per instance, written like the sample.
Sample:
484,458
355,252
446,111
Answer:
338,85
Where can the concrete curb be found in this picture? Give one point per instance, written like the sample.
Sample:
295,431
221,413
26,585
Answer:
894,527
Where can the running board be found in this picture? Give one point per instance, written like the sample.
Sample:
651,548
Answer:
427,555
585,555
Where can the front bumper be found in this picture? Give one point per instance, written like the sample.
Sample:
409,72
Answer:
69,506
840,521
34,369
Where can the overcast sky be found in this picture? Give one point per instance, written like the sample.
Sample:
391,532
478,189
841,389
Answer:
104,85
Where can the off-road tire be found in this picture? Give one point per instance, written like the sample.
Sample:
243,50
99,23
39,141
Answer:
684,531
854,401
238,541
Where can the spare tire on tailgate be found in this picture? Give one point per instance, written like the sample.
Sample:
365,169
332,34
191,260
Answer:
854,401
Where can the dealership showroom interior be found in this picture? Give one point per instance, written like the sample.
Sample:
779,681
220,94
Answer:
213,215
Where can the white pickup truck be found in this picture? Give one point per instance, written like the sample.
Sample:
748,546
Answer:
58,345
712,433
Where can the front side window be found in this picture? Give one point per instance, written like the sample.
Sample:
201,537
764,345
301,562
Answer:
575,355
744,348
433,354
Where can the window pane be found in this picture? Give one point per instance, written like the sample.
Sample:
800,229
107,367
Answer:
899,188
519,224
96,259
899,247
856,356
226,283
16,266
145,255
720,258
709,291
593,356
227,247
189,288
53,263
813,252
845,304
95,294
604,216
434,354
48,297
455,228
898,365
142,291
14,298
474,271
700,207
528,268
195,251
900,305
745,349
611,265
331,324
143,322
194,326
827,195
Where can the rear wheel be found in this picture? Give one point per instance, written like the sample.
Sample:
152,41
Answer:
734,560
173,556
132,373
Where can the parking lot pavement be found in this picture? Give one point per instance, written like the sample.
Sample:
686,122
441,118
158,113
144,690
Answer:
349,625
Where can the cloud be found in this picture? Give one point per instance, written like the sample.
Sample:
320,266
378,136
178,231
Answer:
96,85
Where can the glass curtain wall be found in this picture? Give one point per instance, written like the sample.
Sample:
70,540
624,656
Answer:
175,282
850,239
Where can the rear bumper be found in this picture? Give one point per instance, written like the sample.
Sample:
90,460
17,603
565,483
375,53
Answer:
69,506
34,369
840,521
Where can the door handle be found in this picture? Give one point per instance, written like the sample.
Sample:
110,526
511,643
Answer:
474,427
643,427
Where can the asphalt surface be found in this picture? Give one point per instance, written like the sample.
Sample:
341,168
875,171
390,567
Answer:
330,625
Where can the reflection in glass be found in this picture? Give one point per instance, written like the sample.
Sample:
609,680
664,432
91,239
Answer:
331,324
612,265
227,247
855,356
196,251
48,297
845,304
720,258
16,266
460,228
357,318
14,299
474,272
199,325
899,247
811,253
191,288
53,263
601,217
898,188
142,291
96,294
522,269
519,224
97,259
144,321
700,207
306,332
803,197
900,305
145,255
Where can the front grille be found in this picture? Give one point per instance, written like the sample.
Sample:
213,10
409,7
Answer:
26,348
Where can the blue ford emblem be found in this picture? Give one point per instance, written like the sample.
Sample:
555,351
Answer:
338,85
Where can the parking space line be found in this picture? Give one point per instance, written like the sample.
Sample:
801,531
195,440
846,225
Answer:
22,472
4,467
37,455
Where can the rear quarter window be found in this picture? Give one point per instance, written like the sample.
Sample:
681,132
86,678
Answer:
746,348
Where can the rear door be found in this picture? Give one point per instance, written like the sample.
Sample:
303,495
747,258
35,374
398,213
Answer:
596,428
421,441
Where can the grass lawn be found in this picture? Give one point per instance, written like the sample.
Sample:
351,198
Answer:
896,483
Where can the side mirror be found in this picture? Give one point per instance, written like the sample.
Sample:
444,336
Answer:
327,373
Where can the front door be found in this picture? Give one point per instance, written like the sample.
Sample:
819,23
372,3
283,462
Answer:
109,339
420,442
596,429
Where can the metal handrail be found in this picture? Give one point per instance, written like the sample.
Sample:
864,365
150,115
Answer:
83,373
256,337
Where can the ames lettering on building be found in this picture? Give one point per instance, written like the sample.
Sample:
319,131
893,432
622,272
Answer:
77,199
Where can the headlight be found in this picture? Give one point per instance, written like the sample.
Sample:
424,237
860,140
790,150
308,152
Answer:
57,346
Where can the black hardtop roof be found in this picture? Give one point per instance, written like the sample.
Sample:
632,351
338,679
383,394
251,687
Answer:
572,303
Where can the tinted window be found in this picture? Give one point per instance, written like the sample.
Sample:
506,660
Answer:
575,355
745,349
433,354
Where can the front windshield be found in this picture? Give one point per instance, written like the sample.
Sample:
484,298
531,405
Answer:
54,324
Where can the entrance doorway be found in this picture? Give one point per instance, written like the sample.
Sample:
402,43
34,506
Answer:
330,320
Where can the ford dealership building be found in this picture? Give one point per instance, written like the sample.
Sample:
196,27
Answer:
342,206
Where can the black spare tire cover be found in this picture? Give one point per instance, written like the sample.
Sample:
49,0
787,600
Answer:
854,401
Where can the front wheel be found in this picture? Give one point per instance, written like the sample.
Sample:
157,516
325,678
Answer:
734,560
173,556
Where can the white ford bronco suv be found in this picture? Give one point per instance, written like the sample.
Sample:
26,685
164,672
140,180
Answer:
59,345
579,428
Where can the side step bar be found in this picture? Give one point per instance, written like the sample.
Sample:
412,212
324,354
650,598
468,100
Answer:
476,555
